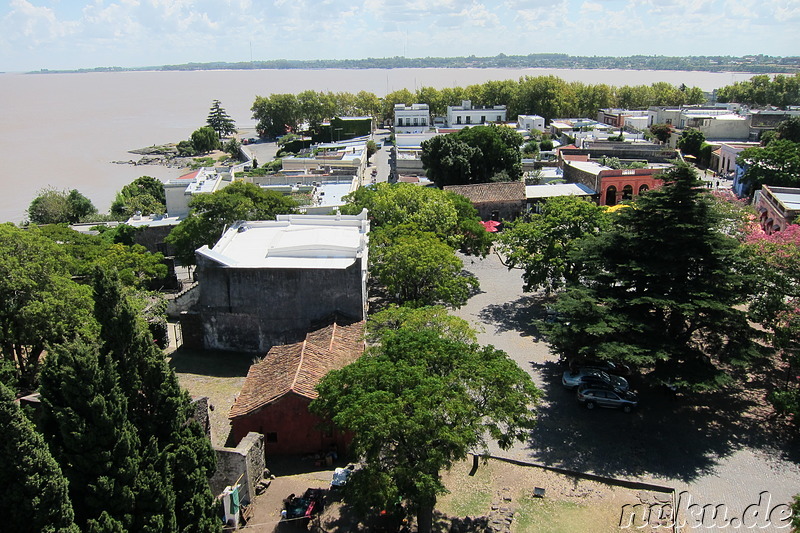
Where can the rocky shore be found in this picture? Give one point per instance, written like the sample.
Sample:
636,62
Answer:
165,155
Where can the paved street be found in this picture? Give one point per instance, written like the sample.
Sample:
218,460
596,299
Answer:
718,448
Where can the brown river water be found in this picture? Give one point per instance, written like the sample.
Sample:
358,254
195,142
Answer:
64,130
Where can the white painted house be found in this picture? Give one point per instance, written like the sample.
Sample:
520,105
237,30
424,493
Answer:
415,118
459,116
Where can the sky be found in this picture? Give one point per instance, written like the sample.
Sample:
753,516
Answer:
71,34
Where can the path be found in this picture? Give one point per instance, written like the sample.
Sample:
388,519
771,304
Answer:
711,451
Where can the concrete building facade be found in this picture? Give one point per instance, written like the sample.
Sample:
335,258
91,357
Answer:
468,115
264,283
415,118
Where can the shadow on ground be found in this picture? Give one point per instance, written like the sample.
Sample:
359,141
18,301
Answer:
680,438
210,363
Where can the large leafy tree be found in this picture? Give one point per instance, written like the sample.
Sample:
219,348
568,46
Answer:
145,195
473,155
52,206
543,245
450,216
416,403
36,498
204,140
219,120
691,141
211,213
135,265
661,289
434,318
40,304
776,164
661,132
276,114
416,268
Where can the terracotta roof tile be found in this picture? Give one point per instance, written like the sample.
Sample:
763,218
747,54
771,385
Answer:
490,192
299,367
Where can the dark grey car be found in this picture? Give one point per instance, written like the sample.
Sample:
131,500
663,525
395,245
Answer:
593,397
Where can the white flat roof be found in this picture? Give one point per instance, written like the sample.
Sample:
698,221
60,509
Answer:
293,241
557,189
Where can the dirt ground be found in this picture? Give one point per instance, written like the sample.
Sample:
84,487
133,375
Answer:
569,504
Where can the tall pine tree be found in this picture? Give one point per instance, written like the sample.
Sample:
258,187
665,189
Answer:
177,450
35,496
86,422
661,289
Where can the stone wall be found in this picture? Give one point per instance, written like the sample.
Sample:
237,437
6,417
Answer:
183,302
251,309
245,461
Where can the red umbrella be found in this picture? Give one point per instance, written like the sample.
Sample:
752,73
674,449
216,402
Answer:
491,225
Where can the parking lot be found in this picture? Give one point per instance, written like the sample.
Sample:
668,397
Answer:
721,448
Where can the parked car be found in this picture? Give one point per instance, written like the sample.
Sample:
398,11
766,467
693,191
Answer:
609,367
593,396
573,379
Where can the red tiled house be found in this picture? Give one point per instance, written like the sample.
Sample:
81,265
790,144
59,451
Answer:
278,389
494,201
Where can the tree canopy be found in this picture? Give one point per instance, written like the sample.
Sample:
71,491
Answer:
144,195
690,142
40,304
416,268
661,131
544,244
219,120
416,403
205,140
52,206
211,213
36,497
661,289
450,216
782,90
478,154
777,164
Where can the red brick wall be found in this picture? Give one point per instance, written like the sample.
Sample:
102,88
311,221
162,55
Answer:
295,428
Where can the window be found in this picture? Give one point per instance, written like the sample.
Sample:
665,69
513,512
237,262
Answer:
399,121
499,118
627,192
611,196
271,437
416,121
458,120
643,188
469,119
483,119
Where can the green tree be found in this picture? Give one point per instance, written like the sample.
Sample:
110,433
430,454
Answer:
450,216
434,318
661,289
205,139
219,120
776,164
176,456
661,132
276,114
472,155
690,142
40,304
36,492
85,420
418,402
144,194
371,148
233,148
543,246
210,213
84,253
789,129
52,206
418,269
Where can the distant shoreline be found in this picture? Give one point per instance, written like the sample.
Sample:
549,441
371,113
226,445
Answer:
756,64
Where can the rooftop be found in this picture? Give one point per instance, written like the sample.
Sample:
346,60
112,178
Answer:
490,192
557,189
293,241
297,368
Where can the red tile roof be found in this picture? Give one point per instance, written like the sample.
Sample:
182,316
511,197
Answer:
190,175
512,191
575,157
299,367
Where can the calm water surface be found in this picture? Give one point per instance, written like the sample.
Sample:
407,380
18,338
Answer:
64,130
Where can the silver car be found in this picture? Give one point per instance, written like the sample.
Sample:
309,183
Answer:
572,379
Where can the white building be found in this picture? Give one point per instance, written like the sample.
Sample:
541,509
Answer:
530,122
179,191
415,118
467,115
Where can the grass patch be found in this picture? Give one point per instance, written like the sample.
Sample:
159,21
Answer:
198,162
472,496
551,516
